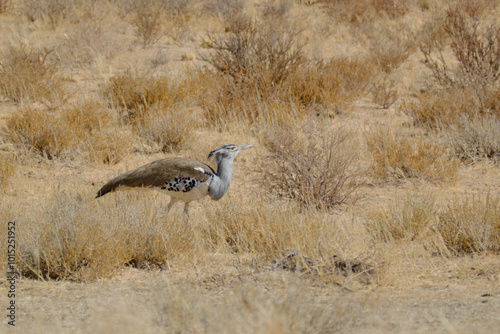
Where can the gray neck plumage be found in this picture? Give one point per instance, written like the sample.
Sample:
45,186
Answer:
222,180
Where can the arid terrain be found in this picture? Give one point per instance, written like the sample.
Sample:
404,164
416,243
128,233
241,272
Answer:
369,203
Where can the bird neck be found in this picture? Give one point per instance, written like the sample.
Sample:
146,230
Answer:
222,180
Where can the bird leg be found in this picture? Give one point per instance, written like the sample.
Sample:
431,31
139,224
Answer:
172,202
186,206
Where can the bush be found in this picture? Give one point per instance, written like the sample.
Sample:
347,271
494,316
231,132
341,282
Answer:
314,168
147,21
477,50
262,66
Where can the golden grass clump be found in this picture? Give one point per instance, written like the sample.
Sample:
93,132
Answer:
399,157
8,166
29,75
408,219
471,225
329,85
465,225
133,91
166,128
85,127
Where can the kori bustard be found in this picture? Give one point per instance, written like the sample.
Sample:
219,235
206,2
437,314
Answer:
185,180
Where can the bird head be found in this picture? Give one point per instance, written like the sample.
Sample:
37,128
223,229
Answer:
227,151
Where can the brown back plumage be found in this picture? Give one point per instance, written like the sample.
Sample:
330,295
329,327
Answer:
157,173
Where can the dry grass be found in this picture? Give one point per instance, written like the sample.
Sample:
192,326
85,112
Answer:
408,219
97,81
471,225
86,129
66,237
31,76
476,139
467,224
399,157
8,166
168,129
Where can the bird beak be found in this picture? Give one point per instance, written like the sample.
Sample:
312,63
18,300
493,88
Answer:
245,147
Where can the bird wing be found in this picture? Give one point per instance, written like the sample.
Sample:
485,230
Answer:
157,173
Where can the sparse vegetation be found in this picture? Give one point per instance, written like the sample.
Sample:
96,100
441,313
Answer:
399,157
31,76
65,133
374,167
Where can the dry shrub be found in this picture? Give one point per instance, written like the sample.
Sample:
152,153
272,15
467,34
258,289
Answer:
86,128
313,167
476,48
256,56
156,106
389,45
471,225
148,15
407,219
475,139
67,238
261,64
50,11
400,157
8,166
31,76
165,127
384,92
366,10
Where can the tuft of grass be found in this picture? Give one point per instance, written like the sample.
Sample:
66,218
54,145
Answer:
471,225
30,76
312,167
408,219
398,157
168,128
475,139
8,166
330,85
85,127
134,92
440,110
